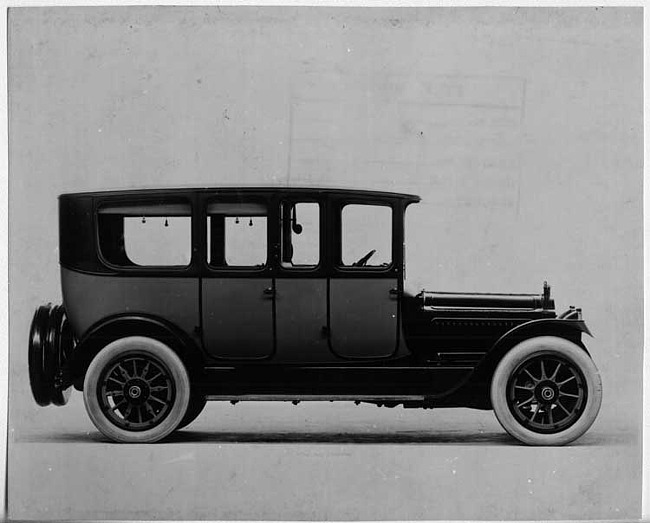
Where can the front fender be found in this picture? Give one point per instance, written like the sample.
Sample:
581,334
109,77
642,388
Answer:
480,379
554,326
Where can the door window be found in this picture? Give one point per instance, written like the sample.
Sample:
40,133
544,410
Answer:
237,234
366,235
300,234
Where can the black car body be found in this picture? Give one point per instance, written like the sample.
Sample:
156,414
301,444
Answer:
274,326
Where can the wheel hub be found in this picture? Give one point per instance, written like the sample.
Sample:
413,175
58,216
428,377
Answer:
136,391
546,392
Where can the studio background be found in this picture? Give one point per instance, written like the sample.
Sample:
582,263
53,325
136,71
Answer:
522,130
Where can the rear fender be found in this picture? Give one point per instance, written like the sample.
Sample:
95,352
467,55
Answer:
108,330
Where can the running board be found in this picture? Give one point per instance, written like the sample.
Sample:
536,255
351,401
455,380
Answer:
312,397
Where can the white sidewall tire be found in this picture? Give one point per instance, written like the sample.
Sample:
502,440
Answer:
122,347
525,350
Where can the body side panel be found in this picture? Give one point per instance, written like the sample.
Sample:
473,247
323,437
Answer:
90,298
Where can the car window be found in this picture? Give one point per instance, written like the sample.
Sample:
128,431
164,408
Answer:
300,234
237,234
366,235
141,235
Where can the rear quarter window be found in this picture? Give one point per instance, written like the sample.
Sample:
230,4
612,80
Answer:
146,235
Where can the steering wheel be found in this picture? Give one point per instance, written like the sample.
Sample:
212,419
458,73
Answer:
363,260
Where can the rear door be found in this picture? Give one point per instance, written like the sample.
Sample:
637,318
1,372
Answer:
363,287
237,291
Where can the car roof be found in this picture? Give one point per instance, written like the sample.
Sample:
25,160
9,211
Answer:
225,189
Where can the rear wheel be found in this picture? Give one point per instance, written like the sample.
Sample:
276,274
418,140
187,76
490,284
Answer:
136,390
546,391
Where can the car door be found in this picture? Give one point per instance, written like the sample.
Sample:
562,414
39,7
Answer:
237,289
363,288
301,284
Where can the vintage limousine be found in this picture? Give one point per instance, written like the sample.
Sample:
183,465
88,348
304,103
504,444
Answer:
173,297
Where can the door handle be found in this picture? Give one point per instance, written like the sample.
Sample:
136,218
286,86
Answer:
393,293
269,291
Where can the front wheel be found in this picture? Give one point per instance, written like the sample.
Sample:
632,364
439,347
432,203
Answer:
136,390
546,391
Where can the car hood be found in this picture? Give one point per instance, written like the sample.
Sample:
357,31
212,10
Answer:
482,300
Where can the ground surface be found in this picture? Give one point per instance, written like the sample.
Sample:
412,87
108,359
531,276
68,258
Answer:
318,461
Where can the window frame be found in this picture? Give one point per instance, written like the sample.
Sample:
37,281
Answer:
147,201
241,199
322,249
337,247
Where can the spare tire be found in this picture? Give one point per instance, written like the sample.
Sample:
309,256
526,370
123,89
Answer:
50,341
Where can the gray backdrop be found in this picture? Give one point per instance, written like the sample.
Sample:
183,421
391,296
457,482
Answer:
520,128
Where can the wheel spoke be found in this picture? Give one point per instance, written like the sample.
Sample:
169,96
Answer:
118,405
116,380
559,404
521,387
566,381
569,395
158,400
156,376
525,402
552,377
535,413
150,410
158,388
543,370
125,374
143,374
535,380
550,414
115,393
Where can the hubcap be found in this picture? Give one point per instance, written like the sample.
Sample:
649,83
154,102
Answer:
136,392
547,393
